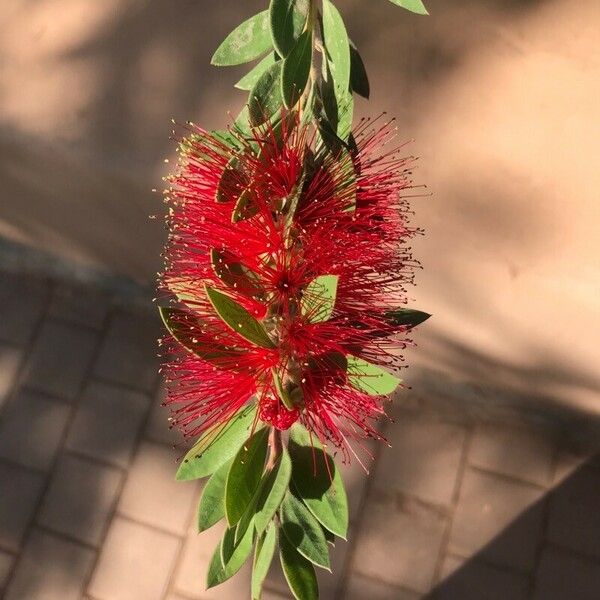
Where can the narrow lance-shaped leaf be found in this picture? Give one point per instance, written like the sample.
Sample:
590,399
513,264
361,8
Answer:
406,316
337,46
415,6
299,572
265,97
229,557
263,556
272,491
246,42
296,69
232,181
287,18
303,531
248,81
244,208
192,334
211,508
238,318
318,299
359,80
217,446
370,378
230,271
318,483
245,475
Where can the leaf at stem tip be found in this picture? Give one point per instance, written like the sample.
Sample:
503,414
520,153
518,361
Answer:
211,508
304,532
299,572
265,97
246,42
288,18
318,300
236,317
415,6
370,378
263,556
244,475
296,69
318,483
217,446
273,489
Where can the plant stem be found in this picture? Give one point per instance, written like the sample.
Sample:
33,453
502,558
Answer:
275,445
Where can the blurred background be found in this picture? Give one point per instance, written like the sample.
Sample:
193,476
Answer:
492,486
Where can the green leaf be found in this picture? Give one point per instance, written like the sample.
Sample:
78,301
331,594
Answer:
318,299
232,181
273,489
359,80
263,556
212,502
248,81
296,69
299,572
287,18
229,556
415,6
303,531
245,43
230,271
282,392
244,475
318,483
244,208
238,318
191,333
217,446
242,122
265,98
337,47
370,378
406,316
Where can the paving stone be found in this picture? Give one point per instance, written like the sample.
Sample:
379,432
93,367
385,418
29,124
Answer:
31,429
362,588
151,493
6,564
23,301
399,545
500,518
135,563
21,489
50,568
190,576
107,423
157,428
80,499
356,478
563,576
128,355
574,515
523,453
568,462
423,460
10,359
60,359
80,305
472,580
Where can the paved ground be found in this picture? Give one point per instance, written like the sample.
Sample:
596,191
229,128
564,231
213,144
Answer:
89,508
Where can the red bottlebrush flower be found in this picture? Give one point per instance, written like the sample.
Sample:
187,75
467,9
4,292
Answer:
287,264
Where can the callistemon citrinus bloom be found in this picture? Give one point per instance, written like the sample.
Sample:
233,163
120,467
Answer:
286,264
